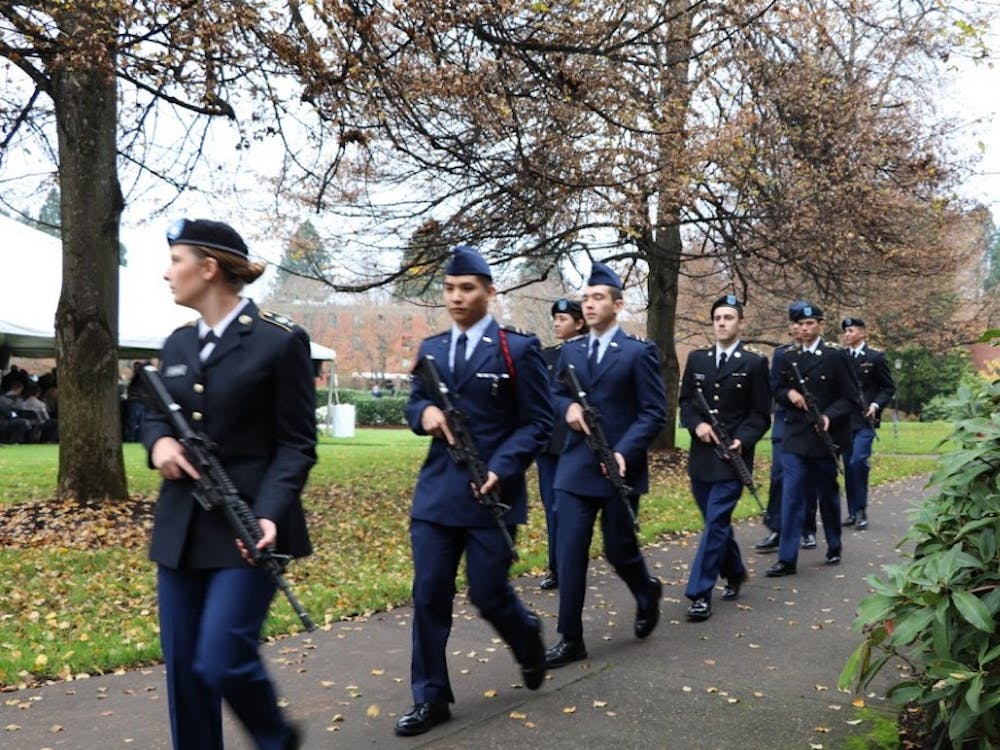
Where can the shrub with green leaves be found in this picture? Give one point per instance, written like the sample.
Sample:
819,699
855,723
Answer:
938,611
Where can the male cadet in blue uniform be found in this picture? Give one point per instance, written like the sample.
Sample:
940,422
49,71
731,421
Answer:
497,378
877,389
621,376
772,518
806,461
734,381
568,323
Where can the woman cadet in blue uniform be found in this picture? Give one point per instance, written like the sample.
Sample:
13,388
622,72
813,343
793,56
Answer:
497,378
243,377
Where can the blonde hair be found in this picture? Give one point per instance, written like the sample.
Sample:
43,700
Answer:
237,270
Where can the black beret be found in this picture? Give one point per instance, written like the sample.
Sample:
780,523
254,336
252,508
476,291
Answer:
602,274
466,261
214,234
727,300
806,311
568,306
848,322
796,305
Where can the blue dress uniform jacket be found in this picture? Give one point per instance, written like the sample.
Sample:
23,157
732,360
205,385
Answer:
831,381
875,379
254,397
626,387
509,415
740,394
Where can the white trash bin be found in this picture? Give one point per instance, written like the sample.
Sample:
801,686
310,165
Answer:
343,420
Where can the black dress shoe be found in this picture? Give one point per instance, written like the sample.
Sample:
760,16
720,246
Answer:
549,582
647,617
808,541
533,667
833,557
780,569
700,609
850,520
565,652
770,543
862,522
422,718
293,740
732,589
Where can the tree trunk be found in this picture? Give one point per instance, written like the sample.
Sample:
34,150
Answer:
663,254
91,466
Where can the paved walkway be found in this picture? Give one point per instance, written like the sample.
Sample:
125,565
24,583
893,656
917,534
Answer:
760,674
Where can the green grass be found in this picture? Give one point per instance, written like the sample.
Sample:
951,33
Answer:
68,611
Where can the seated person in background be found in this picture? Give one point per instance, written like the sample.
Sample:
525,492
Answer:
44,428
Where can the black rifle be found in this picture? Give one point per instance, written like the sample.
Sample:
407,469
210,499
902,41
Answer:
464,452
815,417
214,489
597,441
723,449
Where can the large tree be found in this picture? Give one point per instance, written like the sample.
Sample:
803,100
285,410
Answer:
100,86
769,146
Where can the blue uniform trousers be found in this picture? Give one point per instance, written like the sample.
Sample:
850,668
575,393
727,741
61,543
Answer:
718,554
857,465
546,463
437,550
805,476
577,514
772,518
210,626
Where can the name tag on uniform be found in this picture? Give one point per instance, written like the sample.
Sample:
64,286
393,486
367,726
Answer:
496,378
175,371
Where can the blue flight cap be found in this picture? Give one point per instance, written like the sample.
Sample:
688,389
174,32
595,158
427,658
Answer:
205,233
466,261
848,322
806,311
601,274
727,300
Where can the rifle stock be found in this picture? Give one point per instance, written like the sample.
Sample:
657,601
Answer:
214,490
598,443
723,450
815,417
464,451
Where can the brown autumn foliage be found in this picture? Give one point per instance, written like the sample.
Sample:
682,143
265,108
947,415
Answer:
773,149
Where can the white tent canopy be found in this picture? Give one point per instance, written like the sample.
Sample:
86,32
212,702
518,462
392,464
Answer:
28,300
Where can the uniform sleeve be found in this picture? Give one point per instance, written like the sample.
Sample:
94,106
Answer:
419,399
691,416
847,402
652,405
534,415
295,429
753,427
885,385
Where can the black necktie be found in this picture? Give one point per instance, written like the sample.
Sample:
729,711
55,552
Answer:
592,359
722,360
208,338
460,356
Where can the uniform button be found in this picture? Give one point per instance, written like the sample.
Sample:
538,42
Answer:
199,388
196,416
716,396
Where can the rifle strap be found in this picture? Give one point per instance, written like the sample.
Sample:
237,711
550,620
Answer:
505,350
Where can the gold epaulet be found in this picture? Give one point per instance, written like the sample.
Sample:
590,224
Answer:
518,331
752,349
277,319
831,345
